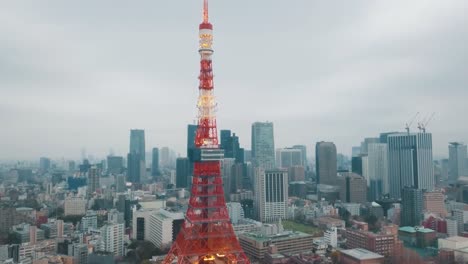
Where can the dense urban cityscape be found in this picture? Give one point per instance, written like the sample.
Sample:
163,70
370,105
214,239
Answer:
388,199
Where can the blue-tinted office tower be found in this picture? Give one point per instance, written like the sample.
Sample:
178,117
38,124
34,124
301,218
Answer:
410,162
263,145
137,143
412,206
182,172
133,168
155,162
191,133
230,145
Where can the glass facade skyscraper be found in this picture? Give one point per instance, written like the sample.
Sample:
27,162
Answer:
325,162
263,145
410,162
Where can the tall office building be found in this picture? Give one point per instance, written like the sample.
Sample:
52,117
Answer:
353,188
263,145
93,179
44,164
191,132
120,184
133,168
457,161
182,173
412,206
377,162
155,162
303,149
137,142
230,145
226,174
410,162
137,149
366,142
114,164
271,194
289,157
325,162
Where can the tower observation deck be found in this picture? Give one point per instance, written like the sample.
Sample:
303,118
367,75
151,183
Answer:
207,235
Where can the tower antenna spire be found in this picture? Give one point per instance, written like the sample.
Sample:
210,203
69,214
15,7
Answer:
205,11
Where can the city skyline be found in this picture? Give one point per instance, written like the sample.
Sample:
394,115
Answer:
71,67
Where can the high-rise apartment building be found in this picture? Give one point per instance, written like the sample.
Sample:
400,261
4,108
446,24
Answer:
113,239
412,206
263,145
289,157
271,194
457,161
410,162
155,162
325,162
89,221
182,173
377,165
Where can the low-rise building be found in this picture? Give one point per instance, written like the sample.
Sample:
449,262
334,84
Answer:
360,256
417,236
256,245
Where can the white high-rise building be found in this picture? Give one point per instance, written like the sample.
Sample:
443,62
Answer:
462,217
113,238
141,223
457,161
377,164
410,162
452,226
163,226
271,194
236,212
330,237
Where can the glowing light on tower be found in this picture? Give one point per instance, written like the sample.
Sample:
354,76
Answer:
207,235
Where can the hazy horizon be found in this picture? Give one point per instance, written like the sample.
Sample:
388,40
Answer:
81,74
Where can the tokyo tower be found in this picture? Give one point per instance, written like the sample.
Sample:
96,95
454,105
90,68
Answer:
207,235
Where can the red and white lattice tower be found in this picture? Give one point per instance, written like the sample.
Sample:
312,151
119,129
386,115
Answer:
207,235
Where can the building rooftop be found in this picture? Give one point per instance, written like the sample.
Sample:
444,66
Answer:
361,254
278,237
456,239
410,229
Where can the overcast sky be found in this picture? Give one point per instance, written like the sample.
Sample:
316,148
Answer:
81,74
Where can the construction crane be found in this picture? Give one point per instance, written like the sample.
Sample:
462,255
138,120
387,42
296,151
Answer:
410,122
422,125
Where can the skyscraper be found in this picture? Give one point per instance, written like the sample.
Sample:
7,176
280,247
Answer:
191,132
412,206
457,161
289,157
410,162
113,239
93,179
44,164
303,149
133,167
230,145
137,150
325,162
377,169
271,195
137,142
155,162
182,172
114,164
263,145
